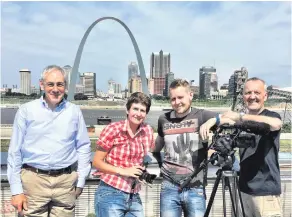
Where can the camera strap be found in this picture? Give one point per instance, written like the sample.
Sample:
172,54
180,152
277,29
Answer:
132,189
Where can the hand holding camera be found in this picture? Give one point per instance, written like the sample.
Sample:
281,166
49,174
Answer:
134,171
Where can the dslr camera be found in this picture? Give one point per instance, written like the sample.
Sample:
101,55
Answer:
145,175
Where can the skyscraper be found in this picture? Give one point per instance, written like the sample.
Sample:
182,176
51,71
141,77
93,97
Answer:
89,84
25,81
132,70
135,84
168,79
159,67
68,70
208,81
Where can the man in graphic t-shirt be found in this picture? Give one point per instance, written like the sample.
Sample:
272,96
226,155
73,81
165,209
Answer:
184,151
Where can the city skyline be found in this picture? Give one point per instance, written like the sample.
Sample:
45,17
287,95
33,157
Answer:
255,35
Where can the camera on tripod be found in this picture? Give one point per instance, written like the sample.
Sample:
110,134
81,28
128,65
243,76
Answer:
228,137
145,175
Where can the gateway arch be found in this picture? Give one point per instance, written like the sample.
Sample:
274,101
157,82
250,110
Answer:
75,68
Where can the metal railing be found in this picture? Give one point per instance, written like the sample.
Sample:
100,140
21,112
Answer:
150,198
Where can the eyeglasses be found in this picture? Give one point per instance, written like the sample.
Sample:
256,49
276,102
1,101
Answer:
52,84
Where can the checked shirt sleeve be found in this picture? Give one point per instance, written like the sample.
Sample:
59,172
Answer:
106,138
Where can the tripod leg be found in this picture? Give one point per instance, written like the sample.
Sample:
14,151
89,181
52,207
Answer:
240,198
235,195
223,196
211,200
231,196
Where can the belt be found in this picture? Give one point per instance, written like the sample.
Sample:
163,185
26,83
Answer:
196,184
57,172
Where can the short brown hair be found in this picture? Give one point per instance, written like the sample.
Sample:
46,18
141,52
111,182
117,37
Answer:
139,97
179,83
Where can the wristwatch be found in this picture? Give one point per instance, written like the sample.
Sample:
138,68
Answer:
241,114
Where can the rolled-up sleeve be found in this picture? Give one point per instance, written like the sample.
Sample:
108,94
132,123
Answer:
14,160
106,138
83,148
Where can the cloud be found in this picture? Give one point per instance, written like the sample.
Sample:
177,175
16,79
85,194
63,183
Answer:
229,35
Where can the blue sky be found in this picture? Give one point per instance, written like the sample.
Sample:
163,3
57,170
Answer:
256,35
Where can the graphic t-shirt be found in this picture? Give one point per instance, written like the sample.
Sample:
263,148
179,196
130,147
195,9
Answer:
183,148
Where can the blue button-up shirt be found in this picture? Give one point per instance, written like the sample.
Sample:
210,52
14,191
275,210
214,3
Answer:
48,139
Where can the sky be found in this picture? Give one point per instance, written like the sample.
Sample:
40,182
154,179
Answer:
227,35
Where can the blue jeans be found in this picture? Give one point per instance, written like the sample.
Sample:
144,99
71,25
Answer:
111,202
173,202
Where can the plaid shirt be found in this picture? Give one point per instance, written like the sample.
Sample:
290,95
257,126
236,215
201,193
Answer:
124,151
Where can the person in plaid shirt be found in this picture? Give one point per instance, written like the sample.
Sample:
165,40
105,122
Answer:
119,155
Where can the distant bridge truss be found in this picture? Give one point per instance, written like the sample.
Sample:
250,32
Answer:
75,68
284,95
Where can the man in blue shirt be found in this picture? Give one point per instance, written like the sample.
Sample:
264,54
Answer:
49,153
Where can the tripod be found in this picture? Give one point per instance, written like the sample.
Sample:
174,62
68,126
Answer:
225,175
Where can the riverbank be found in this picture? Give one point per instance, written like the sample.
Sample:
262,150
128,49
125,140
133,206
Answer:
153,107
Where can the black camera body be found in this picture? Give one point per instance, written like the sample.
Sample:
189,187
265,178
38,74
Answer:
149,178
228,137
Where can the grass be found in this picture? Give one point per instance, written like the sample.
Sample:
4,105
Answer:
285,145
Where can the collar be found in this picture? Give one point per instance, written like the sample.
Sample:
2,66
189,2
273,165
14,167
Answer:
172,114
126,123
60,105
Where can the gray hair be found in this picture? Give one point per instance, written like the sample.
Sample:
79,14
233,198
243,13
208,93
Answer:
51,68
257,79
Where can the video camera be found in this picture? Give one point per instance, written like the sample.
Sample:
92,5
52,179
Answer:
228,137
225,139
145,175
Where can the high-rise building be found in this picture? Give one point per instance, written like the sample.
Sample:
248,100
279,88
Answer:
89,79
231,86
150,82
132,70
117,88
214,82
159,67
135,85
114,87
111,84
208,81
168,79
25,81
79,88
68,70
